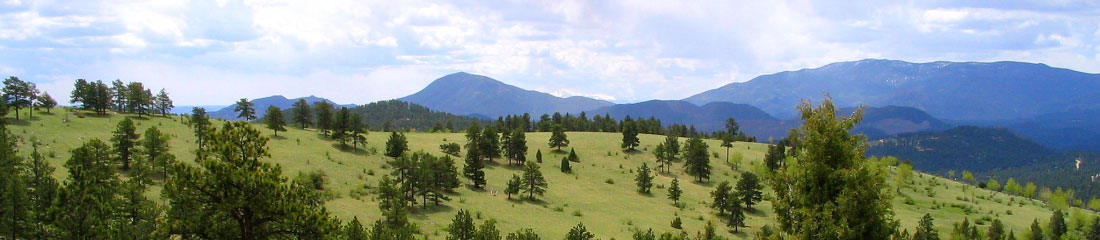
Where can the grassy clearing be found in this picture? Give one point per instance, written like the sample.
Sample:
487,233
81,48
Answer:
609,210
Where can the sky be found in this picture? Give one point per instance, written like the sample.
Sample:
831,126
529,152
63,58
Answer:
356,51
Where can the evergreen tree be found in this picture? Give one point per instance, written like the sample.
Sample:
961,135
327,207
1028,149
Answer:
644,179
721,197
1036,231
663,163
514,186
573,155
42,190
736,218
201,126
397,145
274,119
303,116
155,146
163,103
1057,224
462,227
324,116
579,232
856,192
80,94
925,229
533,181
450,126
490,143
18,94
392,202
674,191
732,128
524,234
775,156
47,102
748,189
141,99
341,126
996,230
517,147
358,132
488,231
474,165
14,197
231,193
630,134
538,156
727,142
672,146
354,230
696,159
558,139
120,95
124,139
565,168
245,110
86,204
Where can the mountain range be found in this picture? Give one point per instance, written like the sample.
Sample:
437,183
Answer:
261,104
947,90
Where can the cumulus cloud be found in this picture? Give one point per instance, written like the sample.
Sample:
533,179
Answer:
213,52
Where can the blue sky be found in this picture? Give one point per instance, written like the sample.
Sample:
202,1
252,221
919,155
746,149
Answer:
213,52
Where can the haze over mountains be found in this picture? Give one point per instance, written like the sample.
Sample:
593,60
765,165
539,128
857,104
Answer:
1056,107
946,90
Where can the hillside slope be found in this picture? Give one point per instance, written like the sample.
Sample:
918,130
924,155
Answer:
468,94
601,193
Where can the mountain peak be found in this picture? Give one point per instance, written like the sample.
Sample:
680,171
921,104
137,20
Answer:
466,94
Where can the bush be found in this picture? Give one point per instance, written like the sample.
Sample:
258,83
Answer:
314,180
452,149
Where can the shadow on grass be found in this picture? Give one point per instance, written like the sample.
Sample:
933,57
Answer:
349,149
754,212
17,122
633,151
705,184
559,151
278,137
424,212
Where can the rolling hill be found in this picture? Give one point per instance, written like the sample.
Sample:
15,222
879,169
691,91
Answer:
468,94
971,148
946,90
600,193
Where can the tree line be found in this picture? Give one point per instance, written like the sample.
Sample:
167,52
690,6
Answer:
130,97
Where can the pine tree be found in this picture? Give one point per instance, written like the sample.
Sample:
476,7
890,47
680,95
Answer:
748,189
630,134
324,116
164,103
234,178
674,191
696,159
474,165
14,198
303,116
1094,230
274,119
662,162
1057,224
736,218
517,146
245,110
354,230
533,181
488,231
514,185
579,232
155,146
1036,230
538,156
644,179
996,230
124,139
573,155
18,94
524,234
86,204
565,168
47,102
558,139
462,227
201,126
397,145
341,126
120,95
358,130
925,229
42,190
727,142
829,152
141,99
721,197
490,143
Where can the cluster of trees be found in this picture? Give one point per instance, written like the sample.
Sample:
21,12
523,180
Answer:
396,115
21,94
425,176
341,125
736,201
130,97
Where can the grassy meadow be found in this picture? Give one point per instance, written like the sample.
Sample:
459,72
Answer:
601,192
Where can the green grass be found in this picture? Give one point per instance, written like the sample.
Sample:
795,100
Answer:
609,210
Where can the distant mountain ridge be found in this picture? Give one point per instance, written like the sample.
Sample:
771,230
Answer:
963,148
261,104
947,90
468,94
